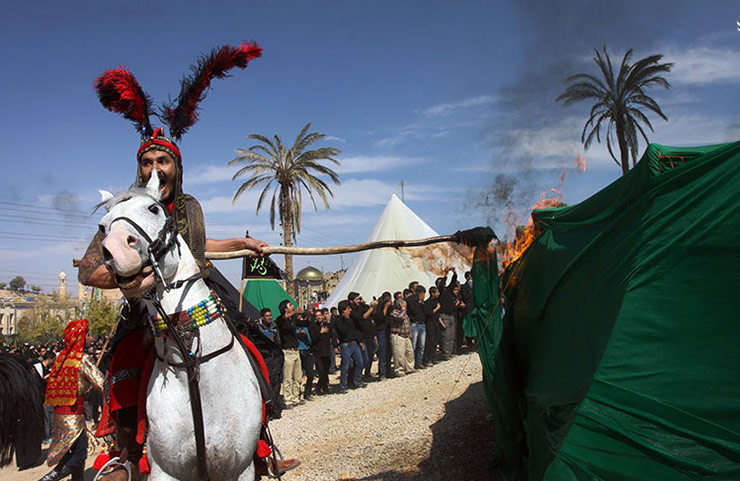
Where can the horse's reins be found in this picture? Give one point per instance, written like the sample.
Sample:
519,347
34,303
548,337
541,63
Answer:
156,250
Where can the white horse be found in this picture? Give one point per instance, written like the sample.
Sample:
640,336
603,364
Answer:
229,390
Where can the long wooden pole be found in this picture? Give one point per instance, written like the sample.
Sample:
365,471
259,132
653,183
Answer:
324,251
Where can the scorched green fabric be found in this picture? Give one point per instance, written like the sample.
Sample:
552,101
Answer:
618,357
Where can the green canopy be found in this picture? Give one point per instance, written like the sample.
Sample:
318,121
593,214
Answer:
618,357
263,293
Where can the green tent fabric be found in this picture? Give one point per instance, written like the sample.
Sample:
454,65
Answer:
618,357
263,293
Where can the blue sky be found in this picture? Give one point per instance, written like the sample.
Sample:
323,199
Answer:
451,97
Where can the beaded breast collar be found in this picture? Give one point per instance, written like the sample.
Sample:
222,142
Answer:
185,322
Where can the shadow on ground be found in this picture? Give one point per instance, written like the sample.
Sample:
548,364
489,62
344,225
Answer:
462,444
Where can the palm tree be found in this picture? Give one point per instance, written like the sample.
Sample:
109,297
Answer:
618,101
287,172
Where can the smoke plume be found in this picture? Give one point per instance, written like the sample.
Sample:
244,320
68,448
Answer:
533,138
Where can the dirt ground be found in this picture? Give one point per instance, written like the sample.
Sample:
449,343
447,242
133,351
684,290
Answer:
431,425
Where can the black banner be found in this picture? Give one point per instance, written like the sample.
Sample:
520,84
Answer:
261,268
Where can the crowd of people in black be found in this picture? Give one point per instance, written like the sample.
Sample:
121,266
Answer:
392,335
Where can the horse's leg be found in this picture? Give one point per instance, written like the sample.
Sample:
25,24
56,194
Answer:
247,474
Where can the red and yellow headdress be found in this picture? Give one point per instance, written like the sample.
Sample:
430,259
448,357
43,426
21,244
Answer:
61,388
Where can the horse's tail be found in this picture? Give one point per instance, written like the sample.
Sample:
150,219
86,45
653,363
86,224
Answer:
21,406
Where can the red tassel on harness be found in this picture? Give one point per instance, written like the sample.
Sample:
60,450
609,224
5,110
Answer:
119,92
144,463
193,90
263,450
101,460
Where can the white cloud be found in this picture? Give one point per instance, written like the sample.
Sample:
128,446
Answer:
475,168
258,230
367,163
669,100
222,203
371,192
699,65
696,129
332,138
70,249
448,108
331,220
703,65
362,193
401,135
210,174
439,120
351,193
685,129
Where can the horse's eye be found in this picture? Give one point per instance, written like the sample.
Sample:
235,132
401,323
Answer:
154,209
101,228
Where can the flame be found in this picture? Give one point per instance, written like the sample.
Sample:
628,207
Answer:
524,235
580,162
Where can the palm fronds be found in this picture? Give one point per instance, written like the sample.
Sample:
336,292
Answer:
618,101
289,171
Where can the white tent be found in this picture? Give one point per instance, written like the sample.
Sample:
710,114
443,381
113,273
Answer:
379,270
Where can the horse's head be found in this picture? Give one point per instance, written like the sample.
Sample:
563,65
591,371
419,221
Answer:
138,235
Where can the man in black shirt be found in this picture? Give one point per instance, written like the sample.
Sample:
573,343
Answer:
433,326
292,370
466,296
415,310
447,312
349,346
380,314
321,348
333,316
362,315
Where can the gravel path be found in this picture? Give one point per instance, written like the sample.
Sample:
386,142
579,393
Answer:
427,426
430,425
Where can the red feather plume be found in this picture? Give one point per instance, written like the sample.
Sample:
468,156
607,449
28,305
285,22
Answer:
119,92
195,87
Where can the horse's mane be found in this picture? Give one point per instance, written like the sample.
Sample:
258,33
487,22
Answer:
21,404
124,196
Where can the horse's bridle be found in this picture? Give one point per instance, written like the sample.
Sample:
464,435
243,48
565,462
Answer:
157,248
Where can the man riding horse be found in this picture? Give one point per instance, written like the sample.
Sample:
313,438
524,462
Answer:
119,91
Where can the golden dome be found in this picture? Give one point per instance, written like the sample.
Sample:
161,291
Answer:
309,274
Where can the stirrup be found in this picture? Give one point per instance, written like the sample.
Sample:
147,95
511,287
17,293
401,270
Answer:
274,457
112,464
